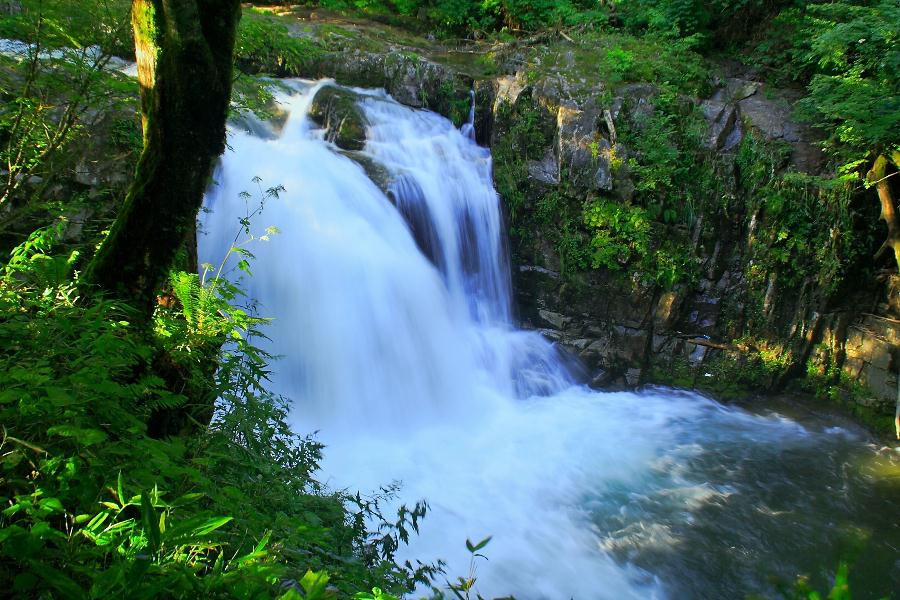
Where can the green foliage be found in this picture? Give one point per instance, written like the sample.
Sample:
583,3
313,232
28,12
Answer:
620,233
673,175
94,507
619,60
464,587
461,15
840,591
377,594
752,365
698,23
254,95
825,379
125,133
56,25
847,53
808,227
547,213
264,44
55,101
623,236
857,89
526,140
674,182
672,171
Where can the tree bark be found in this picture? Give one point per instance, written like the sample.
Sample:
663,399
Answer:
184,53
879,176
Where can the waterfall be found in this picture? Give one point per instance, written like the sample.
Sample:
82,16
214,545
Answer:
392,312
468,128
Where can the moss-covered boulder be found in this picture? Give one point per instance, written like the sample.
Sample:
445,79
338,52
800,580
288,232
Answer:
336,110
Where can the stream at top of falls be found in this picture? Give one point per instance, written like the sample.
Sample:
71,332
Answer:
393,319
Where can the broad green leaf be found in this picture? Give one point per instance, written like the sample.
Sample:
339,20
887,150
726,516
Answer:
314,583
86,437
476,547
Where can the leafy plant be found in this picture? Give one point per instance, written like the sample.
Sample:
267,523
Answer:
95,506
620,233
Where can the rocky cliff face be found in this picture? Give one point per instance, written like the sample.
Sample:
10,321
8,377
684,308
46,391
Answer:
629,333
728,328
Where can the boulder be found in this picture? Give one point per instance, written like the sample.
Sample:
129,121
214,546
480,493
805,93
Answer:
337,112
724,126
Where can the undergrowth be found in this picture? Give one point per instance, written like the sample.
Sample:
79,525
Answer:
93,506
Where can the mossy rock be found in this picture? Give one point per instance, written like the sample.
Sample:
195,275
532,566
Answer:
337,112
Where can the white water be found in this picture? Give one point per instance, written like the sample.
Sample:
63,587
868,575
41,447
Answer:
415,372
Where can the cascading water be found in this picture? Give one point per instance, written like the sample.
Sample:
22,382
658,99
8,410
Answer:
392,313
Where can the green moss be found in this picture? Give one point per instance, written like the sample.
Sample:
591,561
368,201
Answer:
807,226
607,60
830,383
255,95
336,110
144,23
727,375
526,131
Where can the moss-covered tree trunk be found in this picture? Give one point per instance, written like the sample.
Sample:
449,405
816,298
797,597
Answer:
184,53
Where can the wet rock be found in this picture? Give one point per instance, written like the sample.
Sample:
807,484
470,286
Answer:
551,334
769,112
337,112
722,121
411,79
375,171
603,177
772,117
666,309
508,90
636,101
632,377
602,378
583,154
554,319
740,89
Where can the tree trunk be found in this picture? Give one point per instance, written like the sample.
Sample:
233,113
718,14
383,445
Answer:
184,52
879,176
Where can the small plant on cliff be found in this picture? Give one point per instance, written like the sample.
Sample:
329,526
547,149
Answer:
620,233
623,236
